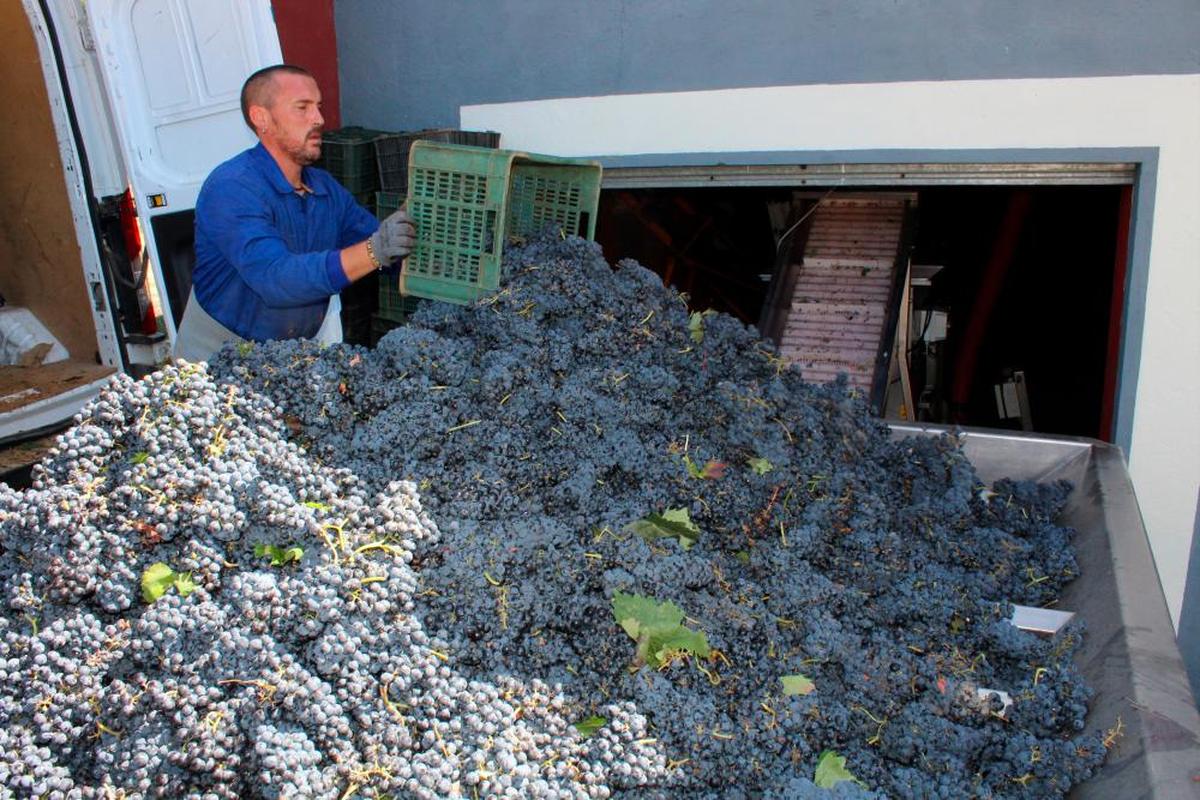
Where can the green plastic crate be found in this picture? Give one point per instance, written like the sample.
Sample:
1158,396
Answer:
467,201
387,202
348,154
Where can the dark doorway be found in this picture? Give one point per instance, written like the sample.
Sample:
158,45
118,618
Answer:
1043,307
1047,308
717,245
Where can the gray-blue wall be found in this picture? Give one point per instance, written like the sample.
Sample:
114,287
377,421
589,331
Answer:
411,63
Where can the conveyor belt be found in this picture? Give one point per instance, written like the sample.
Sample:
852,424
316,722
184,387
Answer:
839,308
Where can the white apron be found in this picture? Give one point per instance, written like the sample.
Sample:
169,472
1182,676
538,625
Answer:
200,336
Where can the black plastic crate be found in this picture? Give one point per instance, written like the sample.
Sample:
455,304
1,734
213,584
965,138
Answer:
391,151
489,139
360,300
387,202
391,154
348,154
393,305
366,200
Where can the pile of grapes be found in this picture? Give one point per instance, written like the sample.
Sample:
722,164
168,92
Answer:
573,540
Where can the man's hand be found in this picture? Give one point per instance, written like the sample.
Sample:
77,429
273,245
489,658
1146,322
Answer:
395,237
382,250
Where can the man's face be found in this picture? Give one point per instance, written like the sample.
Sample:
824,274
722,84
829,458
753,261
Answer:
294,119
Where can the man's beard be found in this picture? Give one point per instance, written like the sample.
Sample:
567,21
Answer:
306,152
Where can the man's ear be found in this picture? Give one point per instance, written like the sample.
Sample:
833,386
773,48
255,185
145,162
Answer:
260,117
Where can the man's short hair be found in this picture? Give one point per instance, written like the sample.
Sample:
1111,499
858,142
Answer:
259,88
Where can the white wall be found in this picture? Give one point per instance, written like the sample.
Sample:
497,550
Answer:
1119,112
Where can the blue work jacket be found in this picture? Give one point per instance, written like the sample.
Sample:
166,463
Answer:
267,258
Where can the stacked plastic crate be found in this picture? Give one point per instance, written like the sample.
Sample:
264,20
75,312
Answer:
348,154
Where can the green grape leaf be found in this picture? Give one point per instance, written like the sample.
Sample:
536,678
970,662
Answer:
139,457
760,466
672,523
156,579
711,471
797,684
636,613
680,639
279,555
831,770
184,584
589,725
317,506
656,627
696,324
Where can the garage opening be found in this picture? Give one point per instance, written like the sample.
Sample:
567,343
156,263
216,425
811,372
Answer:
1003,290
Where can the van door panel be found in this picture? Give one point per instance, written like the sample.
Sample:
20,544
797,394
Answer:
173,71
177,67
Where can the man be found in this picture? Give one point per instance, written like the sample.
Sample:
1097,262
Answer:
277,239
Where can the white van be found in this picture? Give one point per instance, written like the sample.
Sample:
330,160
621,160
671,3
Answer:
144,102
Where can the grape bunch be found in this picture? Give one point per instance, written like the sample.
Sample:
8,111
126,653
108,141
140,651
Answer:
283,658
408,572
